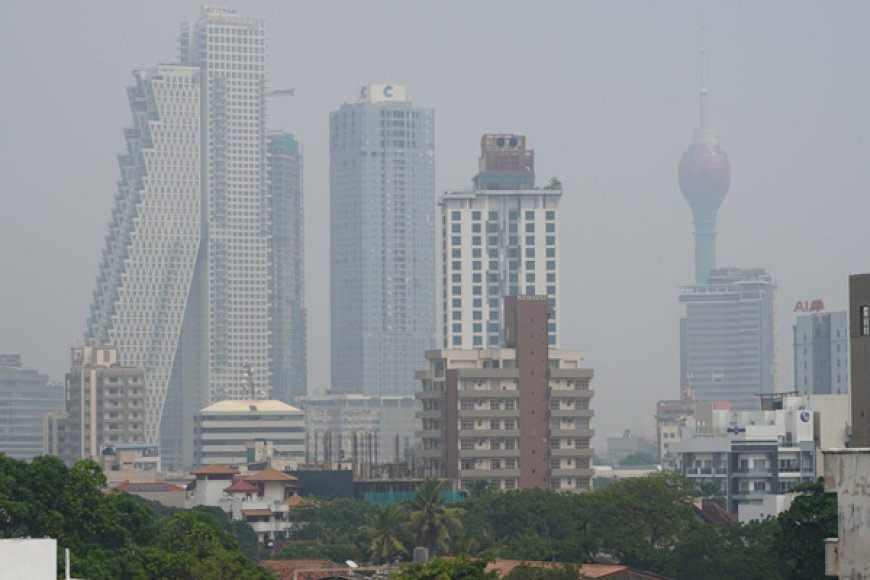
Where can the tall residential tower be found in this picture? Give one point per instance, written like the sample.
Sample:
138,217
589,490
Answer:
499,239
382,241
184,285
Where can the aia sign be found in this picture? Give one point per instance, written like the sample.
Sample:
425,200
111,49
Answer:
816,305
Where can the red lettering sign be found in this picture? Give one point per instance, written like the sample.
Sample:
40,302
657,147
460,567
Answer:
816,305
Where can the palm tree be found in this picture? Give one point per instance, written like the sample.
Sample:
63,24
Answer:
387,530
711,490
430,519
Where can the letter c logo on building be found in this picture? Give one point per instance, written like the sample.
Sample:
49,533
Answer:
388,91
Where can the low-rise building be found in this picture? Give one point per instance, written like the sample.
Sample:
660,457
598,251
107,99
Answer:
517,417
223,430
105,406
263,499
750,455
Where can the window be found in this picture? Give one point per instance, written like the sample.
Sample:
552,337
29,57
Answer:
457,278
551,240
475,252
530,214
554,443
466,403
456,240
493,215
468,464
477,278
456,228
530,228
865,320
456,253
510,463
509,404
457,303
530,240
467,444
530,252
551,252
551,228
475,215
457,341
457,315
457,327
495,464
551,215
455,215
475,228
466,424
510,425
476,265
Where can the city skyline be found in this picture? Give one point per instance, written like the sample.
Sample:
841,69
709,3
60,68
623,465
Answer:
797,160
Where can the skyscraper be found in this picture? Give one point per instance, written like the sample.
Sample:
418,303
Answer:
382,241
184,286
705,175
859,333
729,346
499,239
288,318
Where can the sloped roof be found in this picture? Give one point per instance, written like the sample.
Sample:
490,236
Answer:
713,513
270,475
294,500
215,469
240,486
133,487
257,513
504,567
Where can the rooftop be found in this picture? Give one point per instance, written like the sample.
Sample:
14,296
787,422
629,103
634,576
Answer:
215,469
250,405
269,475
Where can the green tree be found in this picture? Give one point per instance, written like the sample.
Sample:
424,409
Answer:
798,540
337,521
711,490
447,569
387,529
431,520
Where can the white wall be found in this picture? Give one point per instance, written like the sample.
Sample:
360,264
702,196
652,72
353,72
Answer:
33,559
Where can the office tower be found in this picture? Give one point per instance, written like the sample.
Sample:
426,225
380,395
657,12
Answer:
517,416
499,239
25,400
859,333
730,337
382,241
821,353
105,404
184,285
288,319
705,175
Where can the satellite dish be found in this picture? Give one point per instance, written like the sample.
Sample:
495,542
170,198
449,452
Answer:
352,564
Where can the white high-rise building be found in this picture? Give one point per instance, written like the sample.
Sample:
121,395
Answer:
184,286
382,241
499,239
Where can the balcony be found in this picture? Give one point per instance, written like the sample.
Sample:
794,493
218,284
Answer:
430,414
571,452
752,472
472,453
572,432
572,412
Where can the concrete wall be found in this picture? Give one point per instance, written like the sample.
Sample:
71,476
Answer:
34,559
847,473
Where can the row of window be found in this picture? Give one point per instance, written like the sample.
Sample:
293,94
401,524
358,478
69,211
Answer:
513,215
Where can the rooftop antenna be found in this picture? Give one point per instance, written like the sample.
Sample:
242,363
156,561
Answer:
703,81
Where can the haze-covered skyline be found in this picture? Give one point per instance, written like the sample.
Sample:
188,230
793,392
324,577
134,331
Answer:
606,93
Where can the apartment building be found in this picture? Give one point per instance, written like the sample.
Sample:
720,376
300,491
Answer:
517,416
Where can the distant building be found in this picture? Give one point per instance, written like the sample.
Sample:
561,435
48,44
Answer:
288,317
105,405
729,337
618,448
332,421
382,241
26,399
499,239
517,417
130,461
162,492
223,430
821,353
859,333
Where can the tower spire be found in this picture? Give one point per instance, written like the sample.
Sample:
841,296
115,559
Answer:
703,94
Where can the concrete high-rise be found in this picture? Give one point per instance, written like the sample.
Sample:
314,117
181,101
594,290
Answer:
705,175
184,285
499,239
289,333
821,353
515,416
859,333
382,241
729,337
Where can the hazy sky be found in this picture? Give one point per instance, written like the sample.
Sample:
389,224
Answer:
606,92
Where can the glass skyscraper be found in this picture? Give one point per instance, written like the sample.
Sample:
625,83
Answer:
382,241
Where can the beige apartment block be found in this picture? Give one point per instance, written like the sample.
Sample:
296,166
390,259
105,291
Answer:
517,417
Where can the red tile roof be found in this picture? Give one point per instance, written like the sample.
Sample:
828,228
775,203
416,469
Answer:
504,567
241,486
269,475
133,487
